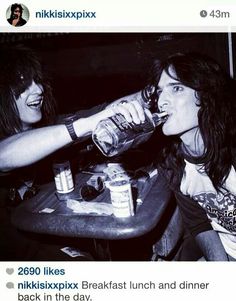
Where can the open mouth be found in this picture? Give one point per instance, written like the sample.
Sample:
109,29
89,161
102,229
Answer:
164,116
35,103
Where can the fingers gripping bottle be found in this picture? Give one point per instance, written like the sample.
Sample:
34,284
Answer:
115,135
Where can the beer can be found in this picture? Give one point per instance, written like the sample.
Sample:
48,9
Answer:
121,198
63,177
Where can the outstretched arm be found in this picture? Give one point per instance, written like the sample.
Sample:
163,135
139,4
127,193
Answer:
28,147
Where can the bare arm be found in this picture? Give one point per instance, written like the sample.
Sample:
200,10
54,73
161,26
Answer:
211,246
28,147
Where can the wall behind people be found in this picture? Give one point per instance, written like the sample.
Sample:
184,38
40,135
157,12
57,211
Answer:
102,67
89,68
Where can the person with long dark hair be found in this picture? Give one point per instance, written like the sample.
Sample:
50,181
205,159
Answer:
199,161
16,18
27,112
30,133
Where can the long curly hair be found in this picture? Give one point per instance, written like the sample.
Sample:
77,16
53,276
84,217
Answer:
217,114
19,66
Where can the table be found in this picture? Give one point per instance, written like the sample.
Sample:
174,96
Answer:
30,216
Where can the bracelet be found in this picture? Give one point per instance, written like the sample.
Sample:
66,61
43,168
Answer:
71,130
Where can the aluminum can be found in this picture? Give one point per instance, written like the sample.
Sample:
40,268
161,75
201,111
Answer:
121,198
63,177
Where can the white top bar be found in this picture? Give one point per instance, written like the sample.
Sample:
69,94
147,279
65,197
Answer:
123,15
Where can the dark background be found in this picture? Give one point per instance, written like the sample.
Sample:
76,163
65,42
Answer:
91,68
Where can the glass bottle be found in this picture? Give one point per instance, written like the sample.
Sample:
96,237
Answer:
115,135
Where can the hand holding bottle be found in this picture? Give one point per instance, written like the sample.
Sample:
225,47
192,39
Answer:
116,134
130,108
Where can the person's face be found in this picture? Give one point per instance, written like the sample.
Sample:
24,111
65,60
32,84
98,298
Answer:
29,105
180,103
17,12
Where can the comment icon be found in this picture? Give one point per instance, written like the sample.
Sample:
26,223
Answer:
10,285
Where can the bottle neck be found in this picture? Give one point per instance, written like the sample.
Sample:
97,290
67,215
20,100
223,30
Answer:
158,118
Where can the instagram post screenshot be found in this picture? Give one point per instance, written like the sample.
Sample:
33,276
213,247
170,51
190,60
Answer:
117,150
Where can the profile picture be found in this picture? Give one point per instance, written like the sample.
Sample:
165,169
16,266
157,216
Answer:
17,14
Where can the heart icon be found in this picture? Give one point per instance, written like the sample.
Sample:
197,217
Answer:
9,271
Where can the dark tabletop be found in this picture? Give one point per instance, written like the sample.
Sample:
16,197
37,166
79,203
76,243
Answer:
31,216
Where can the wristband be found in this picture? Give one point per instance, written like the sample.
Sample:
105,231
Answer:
71,130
